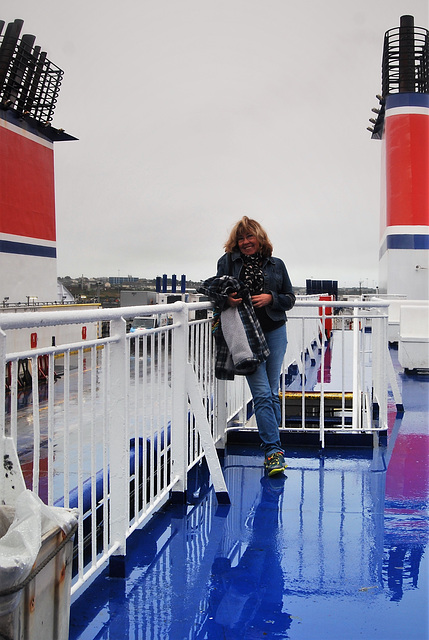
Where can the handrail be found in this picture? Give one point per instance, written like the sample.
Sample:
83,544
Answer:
129,414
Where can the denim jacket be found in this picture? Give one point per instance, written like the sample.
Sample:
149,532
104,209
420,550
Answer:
276,281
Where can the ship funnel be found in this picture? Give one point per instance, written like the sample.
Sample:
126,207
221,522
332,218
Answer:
403,124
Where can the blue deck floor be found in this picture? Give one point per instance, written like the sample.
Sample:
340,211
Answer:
335,549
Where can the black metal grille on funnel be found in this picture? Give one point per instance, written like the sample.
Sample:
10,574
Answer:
29,82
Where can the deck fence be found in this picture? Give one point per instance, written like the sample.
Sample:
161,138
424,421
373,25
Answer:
121,419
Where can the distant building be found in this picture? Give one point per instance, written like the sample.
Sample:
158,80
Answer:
121,280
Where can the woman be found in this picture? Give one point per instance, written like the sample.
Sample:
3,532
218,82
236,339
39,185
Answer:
248,258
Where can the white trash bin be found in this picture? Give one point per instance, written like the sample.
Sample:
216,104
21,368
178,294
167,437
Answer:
36,551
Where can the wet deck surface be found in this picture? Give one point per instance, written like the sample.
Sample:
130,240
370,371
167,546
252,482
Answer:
335,549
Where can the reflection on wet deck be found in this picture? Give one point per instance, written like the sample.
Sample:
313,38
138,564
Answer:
336,549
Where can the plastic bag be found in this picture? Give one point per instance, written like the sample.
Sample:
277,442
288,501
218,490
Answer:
22,541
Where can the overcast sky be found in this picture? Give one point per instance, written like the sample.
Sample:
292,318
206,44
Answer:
192,113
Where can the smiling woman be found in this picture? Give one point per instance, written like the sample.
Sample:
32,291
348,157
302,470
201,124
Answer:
249,262
248,244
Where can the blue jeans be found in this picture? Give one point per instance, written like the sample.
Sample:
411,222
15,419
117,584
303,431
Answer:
264,385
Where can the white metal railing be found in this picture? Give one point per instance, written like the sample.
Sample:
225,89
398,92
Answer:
348,342
120,420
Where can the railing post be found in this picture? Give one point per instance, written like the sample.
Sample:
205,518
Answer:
221,412
356,412
179,418
382,370
322,380
119,457
3,412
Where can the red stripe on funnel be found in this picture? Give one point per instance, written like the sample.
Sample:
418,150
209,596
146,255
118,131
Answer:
407,169
27,190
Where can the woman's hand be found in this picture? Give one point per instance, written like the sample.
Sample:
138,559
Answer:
233,301
262,300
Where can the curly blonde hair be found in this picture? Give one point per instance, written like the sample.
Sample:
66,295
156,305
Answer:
243,227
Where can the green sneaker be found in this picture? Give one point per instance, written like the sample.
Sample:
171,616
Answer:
275,463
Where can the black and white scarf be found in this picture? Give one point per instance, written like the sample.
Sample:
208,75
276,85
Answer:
252,274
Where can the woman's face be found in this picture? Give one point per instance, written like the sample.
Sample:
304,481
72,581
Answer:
248,243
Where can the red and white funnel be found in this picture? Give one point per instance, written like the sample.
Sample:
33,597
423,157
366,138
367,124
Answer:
403,127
